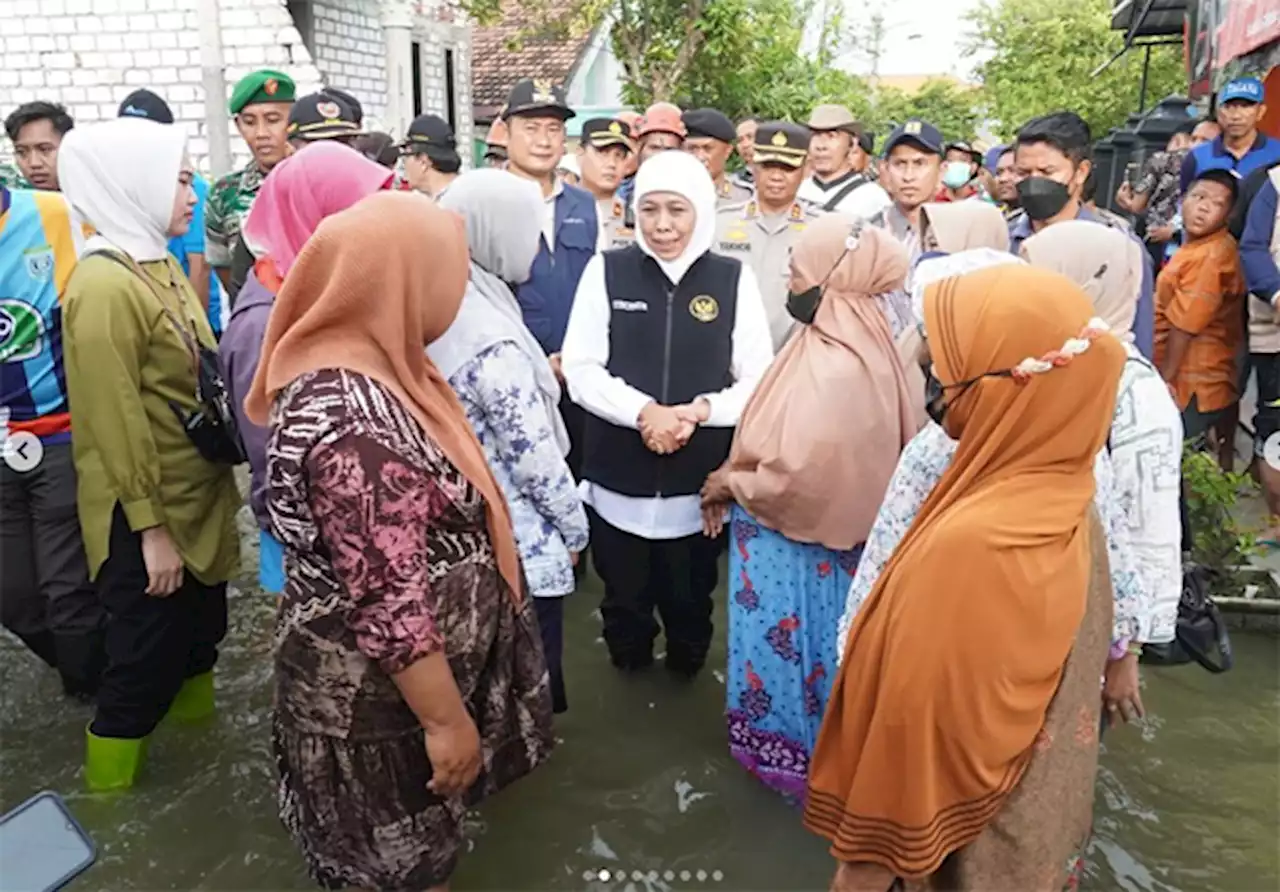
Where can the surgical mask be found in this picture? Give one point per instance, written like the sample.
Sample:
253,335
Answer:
956,174
1042,197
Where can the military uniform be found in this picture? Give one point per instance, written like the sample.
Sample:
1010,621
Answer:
765,241
11,178
232,194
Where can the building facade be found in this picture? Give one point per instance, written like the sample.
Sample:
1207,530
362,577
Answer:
89,54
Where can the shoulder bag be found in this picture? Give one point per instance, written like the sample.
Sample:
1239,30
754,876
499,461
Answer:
212,427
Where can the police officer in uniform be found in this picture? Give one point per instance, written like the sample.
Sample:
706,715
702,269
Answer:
710,139
319,116
603,152
763,229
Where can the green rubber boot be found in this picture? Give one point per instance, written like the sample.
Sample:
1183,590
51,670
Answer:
194,700
112,763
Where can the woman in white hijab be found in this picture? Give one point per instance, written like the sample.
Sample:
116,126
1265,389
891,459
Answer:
665,344
511,396
158,519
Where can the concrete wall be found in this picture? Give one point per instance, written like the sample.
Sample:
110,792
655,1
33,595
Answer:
349,50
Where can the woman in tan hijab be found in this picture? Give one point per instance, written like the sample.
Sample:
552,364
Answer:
810,461
409,679
967,698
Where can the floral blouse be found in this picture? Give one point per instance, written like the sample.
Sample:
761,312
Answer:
509,415
921,465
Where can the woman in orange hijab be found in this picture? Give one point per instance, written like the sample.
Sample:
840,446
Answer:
811,458
960,745
409,679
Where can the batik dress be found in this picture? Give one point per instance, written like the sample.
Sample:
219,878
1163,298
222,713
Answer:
388,560
784,607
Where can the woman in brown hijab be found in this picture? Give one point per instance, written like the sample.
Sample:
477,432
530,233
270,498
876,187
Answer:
409,675
960,745
810,461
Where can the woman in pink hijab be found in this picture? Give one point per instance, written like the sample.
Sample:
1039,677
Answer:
320,180
810,462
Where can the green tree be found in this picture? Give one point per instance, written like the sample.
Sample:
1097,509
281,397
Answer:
740,56
1039,56
954,109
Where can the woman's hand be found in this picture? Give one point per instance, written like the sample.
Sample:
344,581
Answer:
716,489
713,517
163,563
1121,693
661,426
454,753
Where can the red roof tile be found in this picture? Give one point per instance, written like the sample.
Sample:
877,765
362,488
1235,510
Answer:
543,52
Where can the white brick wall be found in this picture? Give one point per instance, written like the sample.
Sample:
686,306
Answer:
90,54
349,50
433,39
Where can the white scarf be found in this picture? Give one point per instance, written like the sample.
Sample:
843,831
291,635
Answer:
681,173
122,177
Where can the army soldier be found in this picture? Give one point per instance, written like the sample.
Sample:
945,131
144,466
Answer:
710,140
322,115
430,151
602,157
260,103
764,229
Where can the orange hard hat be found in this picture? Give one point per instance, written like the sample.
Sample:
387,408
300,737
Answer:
497,135
663,117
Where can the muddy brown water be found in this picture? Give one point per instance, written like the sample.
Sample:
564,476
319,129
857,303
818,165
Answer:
642,793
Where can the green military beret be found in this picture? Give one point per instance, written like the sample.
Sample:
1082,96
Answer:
261,86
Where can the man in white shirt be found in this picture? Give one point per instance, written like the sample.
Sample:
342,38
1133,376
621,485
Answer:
836,158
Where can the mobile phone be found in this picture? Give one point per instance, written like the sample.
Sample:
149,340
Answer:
42,846
1131,173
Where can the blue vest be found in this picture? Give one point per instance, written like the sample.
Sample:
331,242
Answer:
545,300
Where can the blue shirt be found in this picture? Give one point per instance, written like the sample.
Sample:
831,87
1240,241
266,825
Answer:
1260,272
1144,322
546,298
1214,156
180,246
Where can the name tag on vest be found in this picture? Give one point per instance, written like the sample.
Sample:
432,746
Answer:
631,306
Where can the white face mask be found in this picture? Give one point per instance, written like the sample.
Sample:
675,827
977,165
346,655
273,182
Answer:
956,174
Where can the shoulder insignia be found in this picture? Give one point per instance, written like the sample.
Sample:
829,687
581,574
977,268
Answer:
749,211
797,211
618,209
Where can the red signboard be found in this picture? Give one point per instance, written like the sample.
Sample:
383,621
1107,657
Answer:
1243,26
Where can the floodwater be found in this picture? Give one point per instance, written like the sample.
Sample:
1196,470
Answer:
642,794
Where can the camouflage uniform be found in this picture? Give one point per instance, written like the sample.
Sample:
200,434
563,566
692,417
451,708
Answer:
229,201
11,178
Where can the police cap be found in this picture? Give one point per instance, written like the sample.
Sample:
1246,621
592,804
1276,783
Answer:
321,116
781,142
537,97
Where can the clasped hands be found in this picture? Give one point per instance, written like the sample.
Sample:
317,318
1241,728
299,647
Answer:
665,429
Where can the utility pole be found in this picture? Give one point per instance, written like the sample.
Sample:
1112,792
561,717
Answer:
213,78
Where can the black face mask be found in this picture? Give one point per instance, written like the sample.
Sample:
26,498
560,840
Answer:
935,404
803,307
1042,197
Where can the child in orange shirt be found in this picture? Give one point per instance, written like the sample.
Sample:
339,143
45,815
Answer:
1199,307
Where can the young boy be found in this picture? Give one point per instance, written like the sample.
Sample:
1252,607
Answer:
1199,314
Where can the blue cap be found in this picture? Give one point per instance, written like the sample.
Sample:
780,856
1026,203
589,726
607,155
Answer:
921,133
1248,89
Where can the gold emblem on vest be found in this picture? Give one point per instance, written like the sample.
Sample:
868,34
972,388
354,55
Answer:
704,308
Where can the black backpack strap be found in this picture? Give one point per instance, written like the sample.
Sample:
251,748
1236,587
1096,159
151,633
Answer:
833,202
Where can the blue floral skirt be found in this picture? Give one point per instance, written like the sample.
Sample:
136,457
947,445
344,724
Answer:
785,603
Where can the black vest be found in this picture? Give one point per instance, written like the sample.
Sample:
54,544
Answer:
674,343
